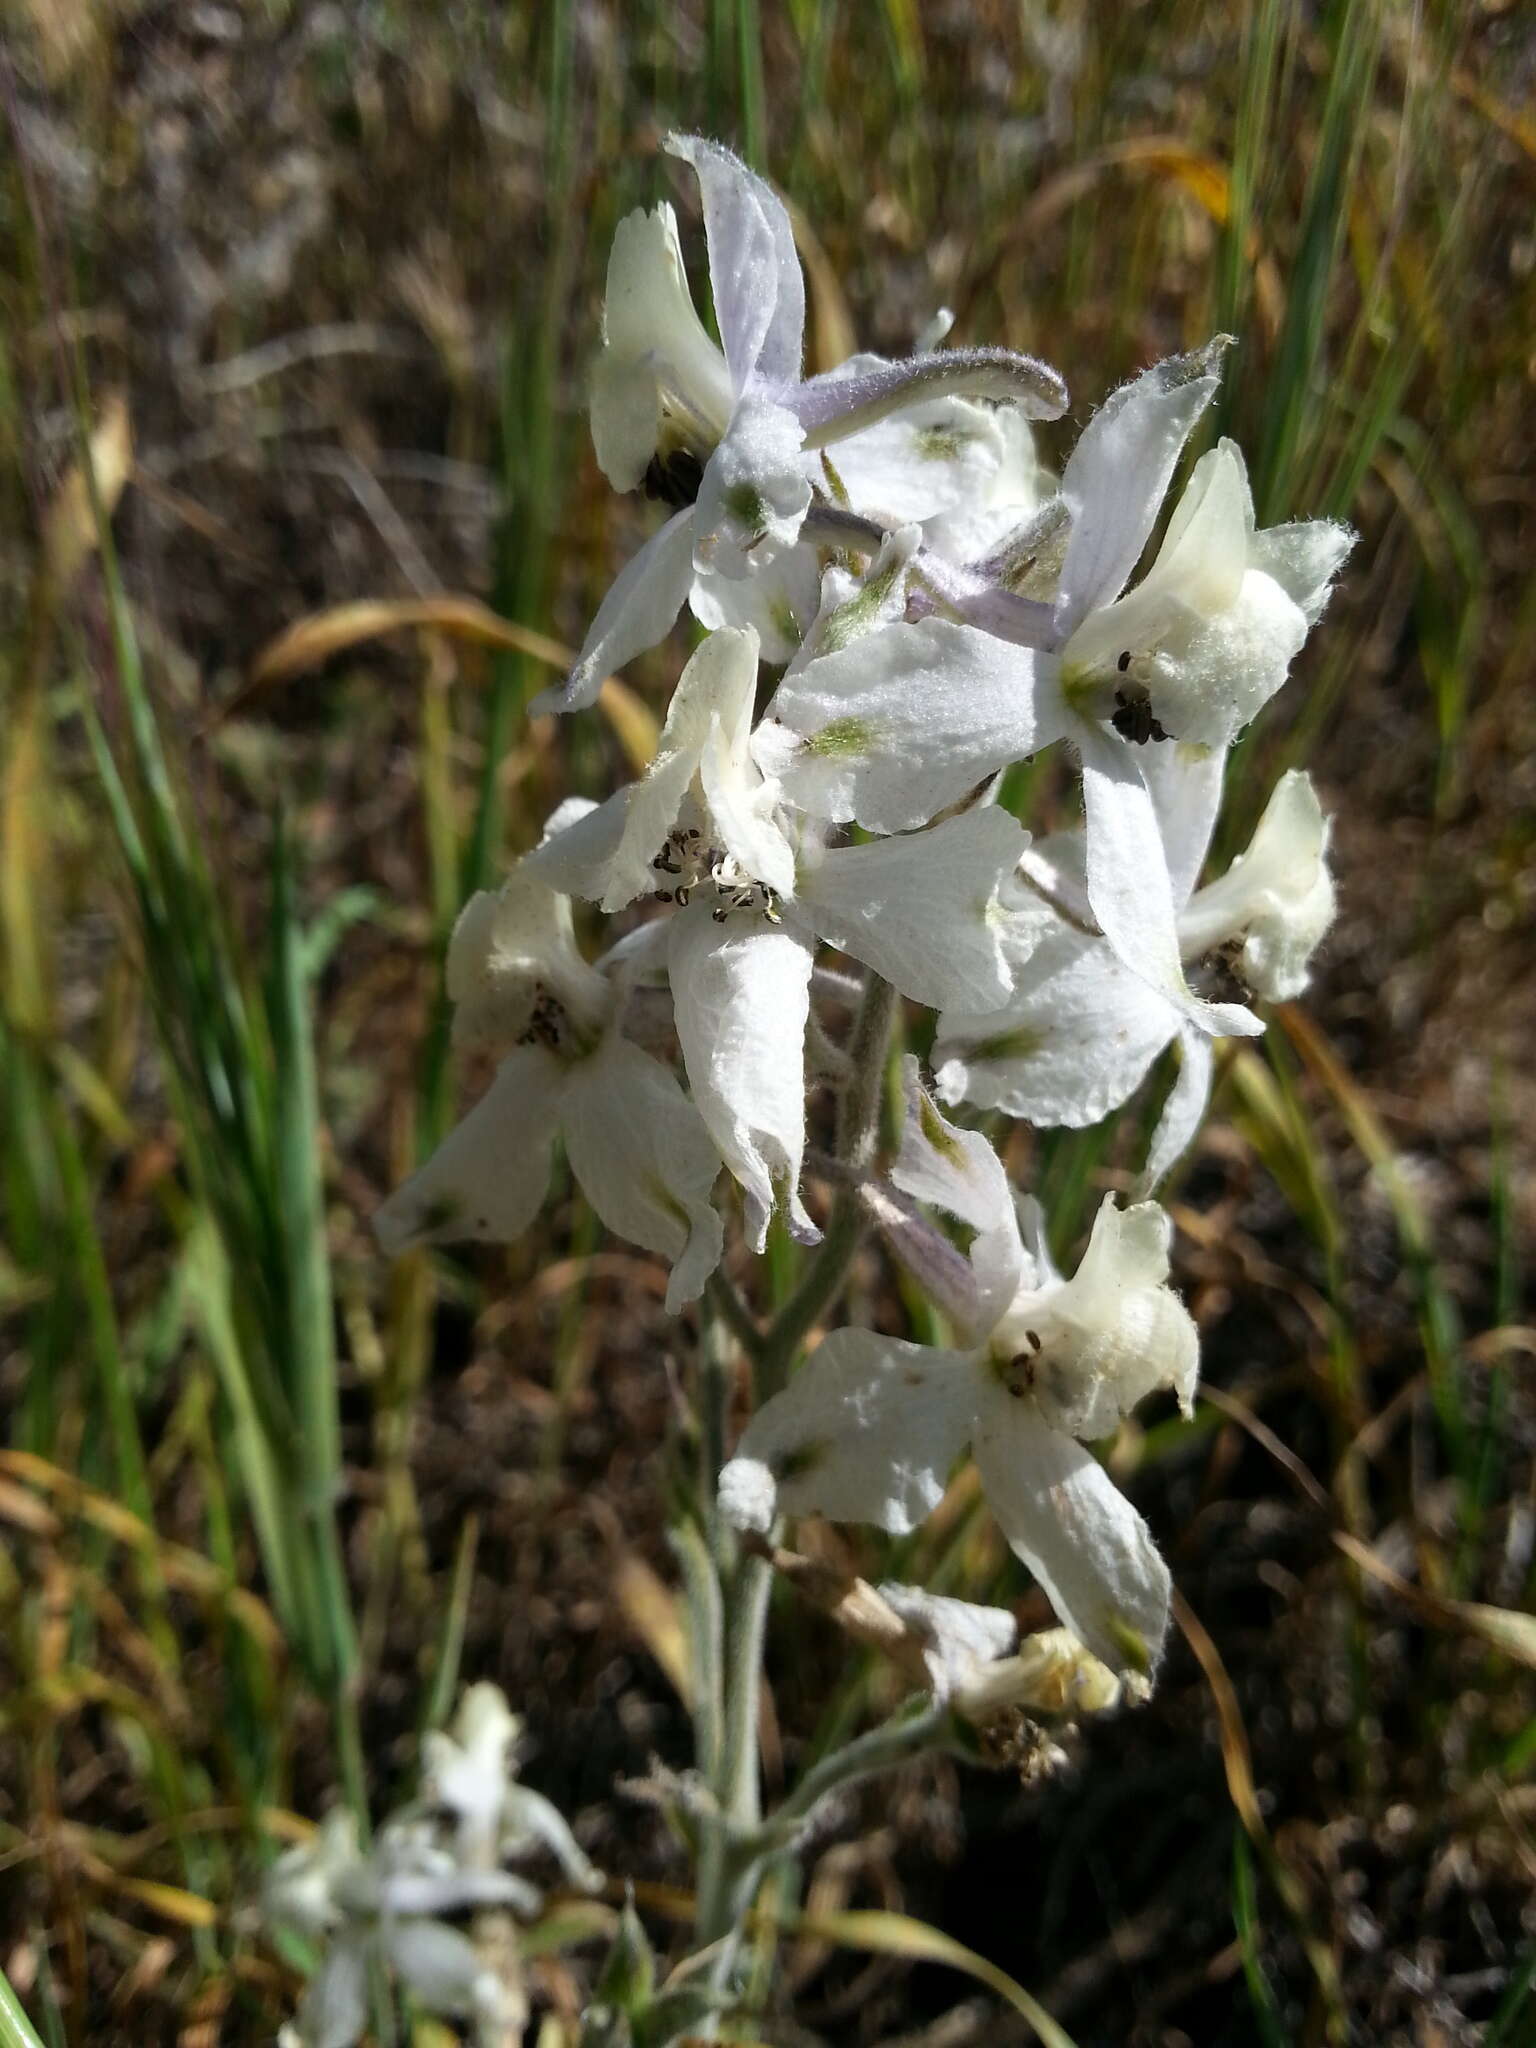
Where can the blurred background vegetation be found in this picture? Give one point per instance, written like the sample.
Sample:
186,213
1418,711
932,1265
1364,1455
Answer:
318,281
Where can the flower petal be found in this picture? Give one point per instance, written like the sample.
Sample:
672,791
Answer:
1129,885
1184,1110
922,909
1186,784
487,1179
959,1638
754,271
1277,897
1075,1040
509,948
334,2009
928,459
741,994
867,1431
645,1161
1303,558
904,722
640,609
959,1172
753,495
1118,475
1079,1535
442,1967
779,603
653,342
1088,1349
533,1819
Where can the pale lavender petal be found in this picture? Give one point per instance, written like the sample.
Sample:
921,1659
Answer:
754,270
836,404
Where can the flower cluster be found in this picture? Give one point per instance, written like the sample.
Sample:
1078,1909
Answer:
932,606
440,1858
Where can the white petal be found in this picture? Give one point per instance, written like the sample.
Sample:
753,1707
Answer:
509,948
487,1179
640,609
1303,558
753,494
1277,897
1092,1347
929,459
297,1891
530,1819
442,1967
1205,550
716,686
904,722
754,272
922,909
645,1161
1128,882
1213,675
445,1887
1186,783
467,1770
1075,1040
959,1172
779,603
1207,637
334,2009
1020,485
1079,1535
867,1431
741,994
960,1639
1118,475
1184,1110
653,340
582,859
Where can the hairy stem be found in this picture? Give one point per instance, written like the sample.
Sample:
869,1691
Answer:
893,1742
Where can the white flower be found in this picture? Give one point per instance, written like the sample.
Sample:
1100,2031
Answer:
385,1906
869,1430
1207,636
1277,899
467,1770
755,888
732,435
1190,653
635,1143
298,1891
1081,1031
470,1772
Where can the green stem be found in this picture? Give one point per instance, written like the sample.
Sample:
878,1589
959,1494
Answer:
893,1742
733,1844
